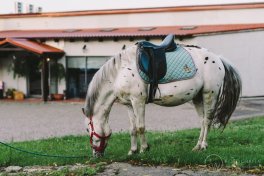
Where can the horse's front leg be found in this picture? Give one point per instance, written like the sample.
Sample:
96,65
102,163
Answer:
139,111
133,131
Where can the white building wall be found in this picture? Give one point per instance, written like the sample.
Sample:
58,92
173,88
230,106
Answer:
1,24
245,51
95,48
105,48
237,16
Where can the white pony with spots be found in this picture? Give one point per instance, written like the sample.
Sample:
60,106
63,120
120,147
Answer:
214,91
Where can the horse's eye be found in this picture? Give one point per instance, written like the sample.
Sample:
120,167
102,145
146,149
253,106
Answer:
87,130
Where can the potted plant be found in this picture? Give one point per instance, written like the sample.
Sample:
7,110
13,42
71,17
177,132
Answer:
10,93
57,71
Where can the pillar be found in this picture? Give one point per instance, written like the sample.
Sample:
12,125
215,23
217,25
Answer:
45,79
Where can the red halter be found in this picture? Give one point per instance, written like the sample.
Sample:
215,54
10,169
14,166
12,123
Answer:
102,145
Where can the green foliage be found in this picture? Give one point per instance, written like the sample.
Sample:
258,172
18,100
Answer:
57,70
240,145
20,67
23,65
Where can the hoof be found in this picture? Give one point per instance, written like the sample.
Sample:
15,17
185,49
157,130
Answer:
197,148
204,146
200,147
132,152
144,149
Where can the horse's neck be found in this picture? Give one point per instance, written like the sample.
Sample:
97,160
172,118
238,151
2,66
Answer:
101,90
105,100
101,93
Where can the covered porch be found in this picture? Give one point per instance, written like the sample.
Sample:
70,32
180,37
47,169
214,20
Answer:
26,65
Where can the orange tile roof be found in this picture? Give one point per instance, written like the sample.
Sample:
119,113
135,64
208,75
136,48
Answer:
32,46
139,10
130,32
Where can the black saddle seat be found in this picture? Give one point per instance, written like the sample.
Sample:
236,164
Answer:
152,61
167,44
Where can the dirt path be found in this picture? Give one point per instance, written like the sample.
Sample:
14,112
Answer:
122,169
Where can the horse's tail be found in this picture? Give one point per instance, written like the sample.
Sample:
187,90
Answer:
228,96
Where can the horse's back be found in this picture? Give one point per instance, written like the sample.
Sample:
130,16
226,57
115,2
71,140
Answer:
209,76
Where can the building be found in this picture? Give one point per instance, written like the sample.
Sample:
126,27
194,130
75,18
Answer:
82,41
18,7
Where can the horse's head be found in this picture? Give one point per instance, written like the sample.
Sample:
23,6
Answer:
99,100
98,138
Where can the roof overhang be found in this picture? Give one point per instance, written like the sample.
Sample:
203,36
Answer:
181,31
31,46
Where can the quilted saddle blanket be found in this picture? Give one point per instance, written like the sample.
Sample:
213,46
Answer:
180,66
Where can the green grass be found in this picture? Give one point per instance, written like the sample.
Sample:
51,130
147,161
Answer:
240,145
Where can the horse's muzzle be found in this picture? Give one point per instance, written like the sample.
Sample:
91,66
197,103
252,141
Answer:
97,154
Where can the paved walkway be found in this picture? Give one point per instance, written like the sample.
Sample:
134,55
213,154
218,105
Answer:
36,120
125,169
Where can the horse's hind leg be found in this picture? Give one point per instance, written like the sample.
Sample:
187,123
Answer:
210,98
198,103
205,109
133,131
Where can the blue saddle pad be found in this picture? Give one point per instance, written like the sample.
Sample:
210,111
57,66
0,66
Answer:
180,66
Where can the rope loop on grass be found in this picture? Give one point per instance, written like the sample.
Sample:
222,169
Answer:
39,154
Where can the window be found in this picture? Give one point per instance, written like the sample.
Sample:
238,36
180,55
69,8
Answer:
39,9
19,7
30,8
96,62
80,71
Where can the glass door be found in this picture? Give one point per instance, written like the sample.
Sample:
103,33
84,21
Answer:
80,71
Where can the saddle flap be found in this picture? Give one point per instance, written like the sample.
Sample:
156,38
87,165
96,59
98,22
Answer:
159,65
143,61
152,62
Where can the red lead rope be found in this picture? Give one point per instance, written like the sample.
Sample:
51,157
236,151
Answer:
102,145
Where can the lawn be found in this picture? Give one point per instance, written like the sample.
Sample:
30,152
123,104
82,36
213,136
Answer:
240,145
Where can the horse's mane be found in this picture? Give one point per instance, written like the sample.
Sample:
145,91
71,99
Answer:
107,71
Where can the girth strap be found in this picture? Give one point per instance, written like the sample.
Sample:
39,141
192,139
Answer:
155,68
156,64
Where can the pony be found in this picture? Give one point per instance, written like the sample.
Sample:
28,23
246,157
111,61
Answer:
214,90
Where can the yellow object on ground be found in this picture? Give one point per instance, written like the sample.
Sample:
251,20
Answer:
18,95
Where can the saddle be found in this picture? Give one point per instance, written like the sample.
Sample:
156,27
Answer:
151,60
